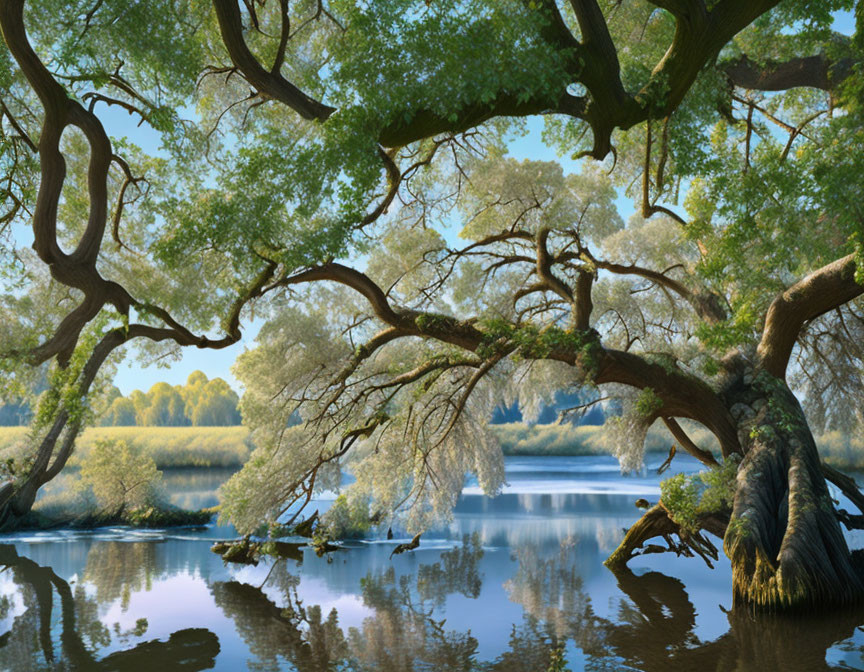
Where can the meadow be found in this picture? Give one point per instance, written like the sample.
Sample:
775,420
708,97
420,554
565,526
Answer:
229,447
170,447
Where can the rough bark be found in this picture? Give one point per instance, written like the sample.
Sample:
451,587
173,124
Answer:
783,534
784,540
824,289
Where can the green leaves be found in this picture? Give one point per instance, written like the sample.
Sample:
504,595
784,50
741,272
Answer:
120,475
687,497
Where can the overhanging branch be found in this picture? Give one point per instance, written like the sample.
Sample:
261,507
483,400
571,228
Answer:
823,290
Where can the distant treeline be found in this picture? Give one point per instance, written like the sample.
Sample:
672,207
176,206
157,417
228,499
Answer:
199,403
230,446
212,403
517,438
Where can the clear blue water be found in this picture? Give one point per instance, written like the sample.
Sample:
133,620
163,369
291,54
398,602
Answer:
509,584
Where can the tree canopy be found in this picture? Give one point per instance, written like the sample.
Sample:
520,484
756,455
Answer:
314,162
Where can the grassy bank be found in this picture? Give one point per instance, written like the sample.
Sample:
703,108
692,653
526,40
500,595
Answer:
517,438
170,447
839,450
173,447
64,511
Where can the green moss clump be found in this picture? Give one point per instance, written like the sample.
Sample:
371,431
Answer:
648,403
687,497
158,516
427,322
533,342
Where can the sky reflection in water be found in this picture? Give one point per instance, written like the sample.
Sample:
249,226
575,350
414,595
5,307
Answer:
506,583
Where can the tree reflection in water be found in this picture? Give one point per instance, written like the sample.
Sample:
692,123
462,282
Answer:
403,635
29,644
653,628
117,569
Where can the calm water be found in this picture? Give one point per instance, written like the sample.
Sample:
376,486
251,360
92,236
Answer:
508,583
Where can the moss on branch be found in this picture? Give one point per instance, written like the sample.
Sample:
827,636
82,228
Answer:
690,497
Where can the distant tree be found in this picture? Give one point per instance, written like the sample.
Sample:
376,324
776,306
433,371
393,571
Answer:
165,407
201,402
215,406
140,401
121,413
196,379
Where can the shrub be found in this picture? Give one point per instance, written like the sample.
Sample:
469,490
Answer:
120,475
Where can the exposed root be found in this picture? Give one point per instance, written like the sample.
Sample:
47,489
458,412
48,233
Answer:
658,523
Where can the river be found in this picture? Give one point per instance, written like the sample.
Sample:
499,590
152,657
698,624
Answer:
514,583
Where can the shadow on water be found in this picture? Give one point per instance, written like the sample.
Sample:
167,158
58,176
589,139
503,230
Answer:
656,633
30,643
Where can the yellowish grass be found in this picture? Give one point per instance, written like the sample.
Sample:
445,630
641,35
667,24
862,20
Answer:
169,446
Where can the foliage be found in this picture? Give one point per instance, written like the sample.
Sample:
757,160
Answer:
346,519
687,497
647,403
281,140
120,476
200,403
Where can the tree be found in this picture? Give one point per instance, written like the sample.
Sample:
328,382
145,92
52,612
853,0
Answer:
210,403
120,475
165,407
201,402
121,413
217,406
324,130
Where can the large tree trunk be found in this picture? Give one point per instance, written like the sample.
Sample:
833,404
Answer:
783,536
784,539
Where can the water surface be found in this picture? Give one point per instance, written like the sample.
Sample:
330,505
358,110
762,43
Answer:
511,583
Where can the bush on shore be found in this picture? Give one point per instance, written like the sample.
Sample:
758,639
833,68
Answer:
117,484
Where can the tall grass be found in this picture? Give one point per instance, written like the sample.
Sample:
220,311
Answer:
169,447
839,450
517,438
